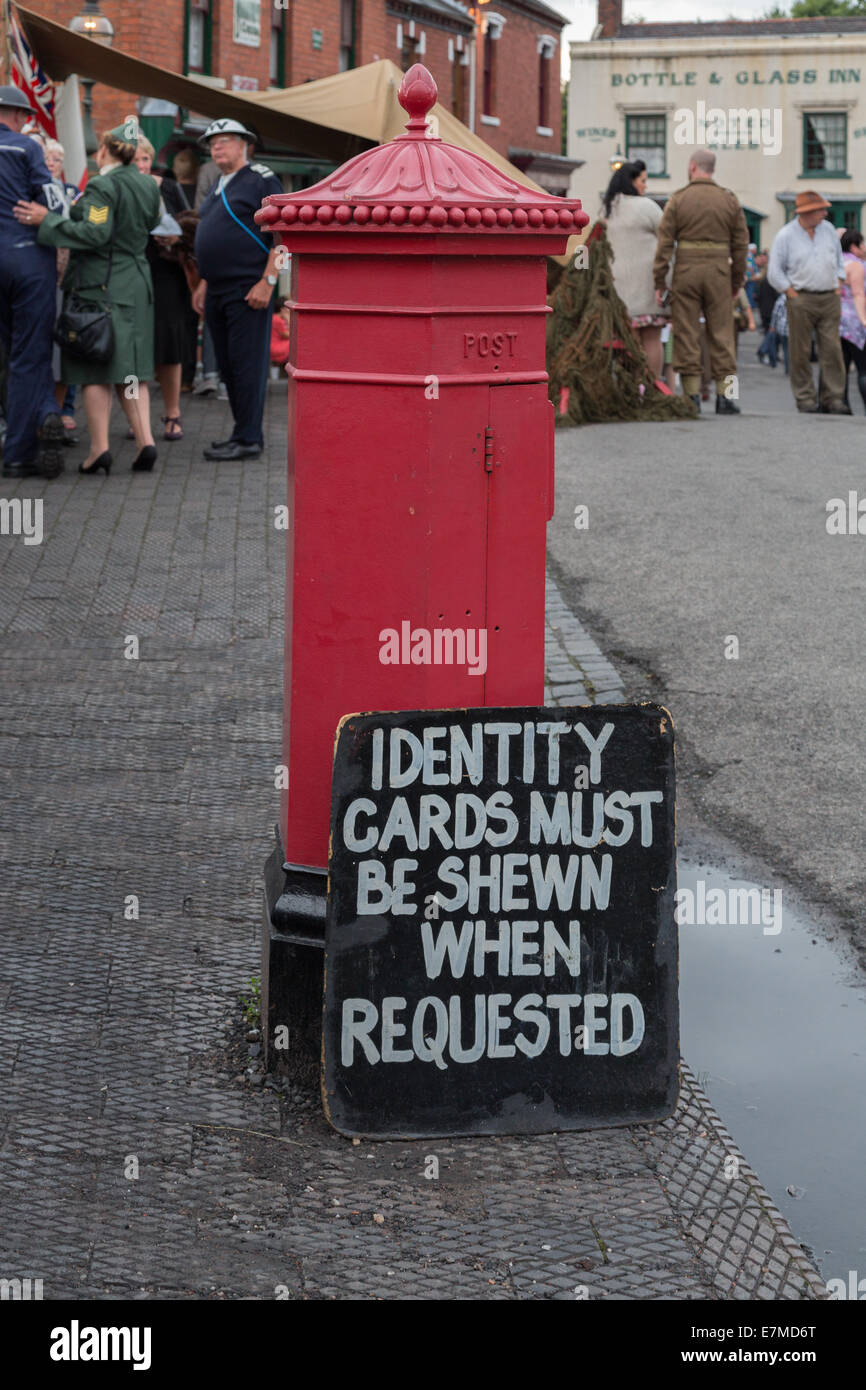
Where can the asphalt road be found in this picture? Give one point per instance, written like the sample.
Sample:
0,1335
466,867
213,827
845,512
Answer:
704,530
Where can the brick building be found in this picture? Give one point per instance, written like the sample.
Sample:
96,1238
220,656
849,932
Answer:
781,101
497,66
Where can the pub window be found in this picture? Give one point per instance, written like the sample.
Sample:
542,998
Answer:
198,36
347,35
645,138
825,143
277,71
488,90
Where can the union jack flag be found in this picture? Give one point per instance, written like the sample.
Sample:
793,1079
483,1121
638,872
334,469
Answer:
29,77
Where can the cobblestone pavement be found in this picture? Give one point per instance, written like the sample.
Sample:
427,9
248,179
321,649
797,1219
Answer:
576,671
136,1160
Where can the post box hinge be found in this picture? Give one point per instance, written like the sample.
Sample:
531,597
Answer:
488,449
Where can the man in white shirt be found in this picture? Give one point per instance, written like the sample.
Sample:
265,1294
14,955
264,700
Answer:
806,266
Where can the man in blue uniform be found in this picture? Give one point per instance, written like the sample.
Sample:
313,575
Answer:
237,263
28,280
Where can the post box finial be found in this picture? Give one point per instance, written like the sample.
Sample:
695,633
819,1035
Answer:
417,94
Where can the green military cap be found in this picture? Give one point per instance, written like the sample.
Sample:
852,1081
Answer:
128,133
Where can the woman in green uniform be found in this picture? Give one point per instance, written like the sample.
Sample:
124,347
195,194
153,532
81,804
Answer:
113,218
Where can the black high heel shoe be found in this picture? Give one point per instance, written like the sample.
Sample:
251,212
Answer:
145,460
104,461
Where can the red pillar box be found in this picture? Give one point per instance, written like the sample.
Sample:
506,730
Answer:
420,472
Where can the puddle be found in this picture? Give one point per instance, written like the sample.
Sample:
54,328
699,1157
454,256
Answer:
775,1026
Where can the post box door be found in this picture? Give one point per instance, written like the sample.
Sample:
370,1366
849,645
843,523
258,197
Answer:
447,530
389,526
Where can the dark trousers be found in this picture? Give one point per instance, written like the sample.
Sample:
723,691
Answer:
242,342
851,353
28,279
208,356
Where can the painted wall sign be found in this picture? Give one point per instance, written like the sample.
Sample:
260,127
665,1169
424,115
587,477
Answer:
247,22
791,78
501,954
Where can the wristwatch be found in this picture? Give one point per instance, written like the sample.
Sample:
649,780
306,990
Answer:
271,279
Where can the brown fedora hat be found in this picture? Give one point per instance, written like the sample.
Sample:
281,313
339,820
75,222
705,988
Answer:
809,202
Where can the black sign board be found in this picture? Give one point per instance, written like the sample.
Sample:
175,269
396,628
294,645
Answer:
501,954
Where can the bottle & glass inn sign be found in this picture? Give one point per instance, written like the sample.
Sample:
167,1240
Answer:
744,77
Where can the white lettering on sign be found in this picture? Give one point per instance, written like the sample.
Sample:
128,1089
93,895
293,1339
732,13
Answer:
408,756
509,882
467,820
509,945
456,1031
472,835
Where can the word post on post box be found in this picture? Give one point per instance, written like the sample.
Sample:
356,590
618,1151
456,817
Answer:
501,951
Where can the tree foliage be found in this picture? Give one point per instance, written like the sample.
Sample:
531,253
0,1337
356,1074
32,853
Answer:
597,370
818,9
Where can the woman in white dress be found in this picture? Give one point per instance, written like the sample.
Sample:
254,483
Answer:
631,221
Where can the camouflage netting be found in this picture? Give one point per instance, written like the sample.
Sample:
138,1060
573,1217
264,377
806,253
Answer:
603,380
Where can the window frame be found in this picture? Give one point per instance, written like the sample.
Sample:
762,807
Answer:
841,173
459,85
205,8
277,27
544,65
488,74
648,116
348,7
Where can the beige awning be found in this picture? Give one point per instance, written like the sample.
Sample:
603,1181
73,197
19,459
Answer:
61,53
363,102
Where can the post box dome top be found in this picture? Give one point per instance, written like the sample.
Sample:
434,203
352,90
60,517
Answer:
419,183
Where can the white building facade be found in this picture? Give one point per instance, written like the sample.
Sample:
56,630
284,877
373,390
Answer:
782,102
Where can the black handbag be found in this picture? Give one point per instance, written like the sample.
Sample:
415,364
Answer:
83,330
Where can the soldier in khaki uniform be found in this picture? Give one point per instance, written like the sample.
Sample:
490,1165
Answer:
707,225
